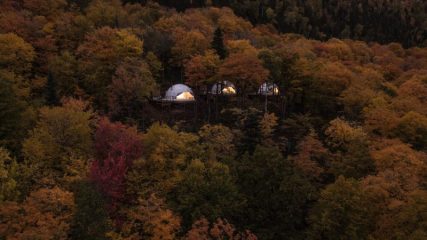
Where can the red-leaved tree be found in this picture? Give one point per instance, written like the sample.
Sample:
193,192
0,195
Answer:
116,147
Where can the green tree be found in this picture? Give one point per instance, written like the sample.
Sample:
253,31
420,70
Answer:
16,62
16,55
63,131
412,128
218,43
155,65
51,91
45,8
206,189
250,127
61,137
217,141
251,131
343,211
131,85
90,221
64,69
350,146
274,63
294,129
221,229
276,194
324,85
166,154
8,172
105,13
12,113
100,54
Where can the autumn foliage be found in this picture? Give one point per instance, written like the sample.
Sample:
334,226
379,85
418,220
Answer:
116,147
91,150
45,214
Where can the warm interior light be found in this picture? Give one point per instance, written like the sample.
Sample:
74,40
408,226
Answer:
229,90
185,96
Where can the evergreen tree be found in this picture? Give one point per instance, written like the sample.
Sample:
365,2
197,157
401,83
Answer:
277,196
91,218
251,131
218,43
11,109
51,96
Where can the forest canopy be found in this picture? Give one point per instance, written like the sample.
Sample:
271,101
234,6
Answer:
90,148
368,20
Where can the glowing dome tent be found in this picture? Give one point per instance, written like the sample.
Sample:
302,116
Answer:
268,89
179,93
225,87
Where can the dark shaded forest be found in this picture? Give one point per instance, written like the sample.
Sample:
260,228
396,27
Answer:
91,148
383,21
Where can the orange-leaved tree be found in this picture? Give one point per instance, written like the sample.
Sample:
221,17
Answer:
45,214
245,70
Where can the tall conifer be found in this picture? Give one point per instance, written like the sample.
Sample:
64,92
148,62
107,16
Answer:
218,43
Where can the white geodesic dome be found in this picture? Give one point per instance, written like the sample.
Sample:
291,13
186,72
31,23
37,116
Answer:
268,89
224,87
179,92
